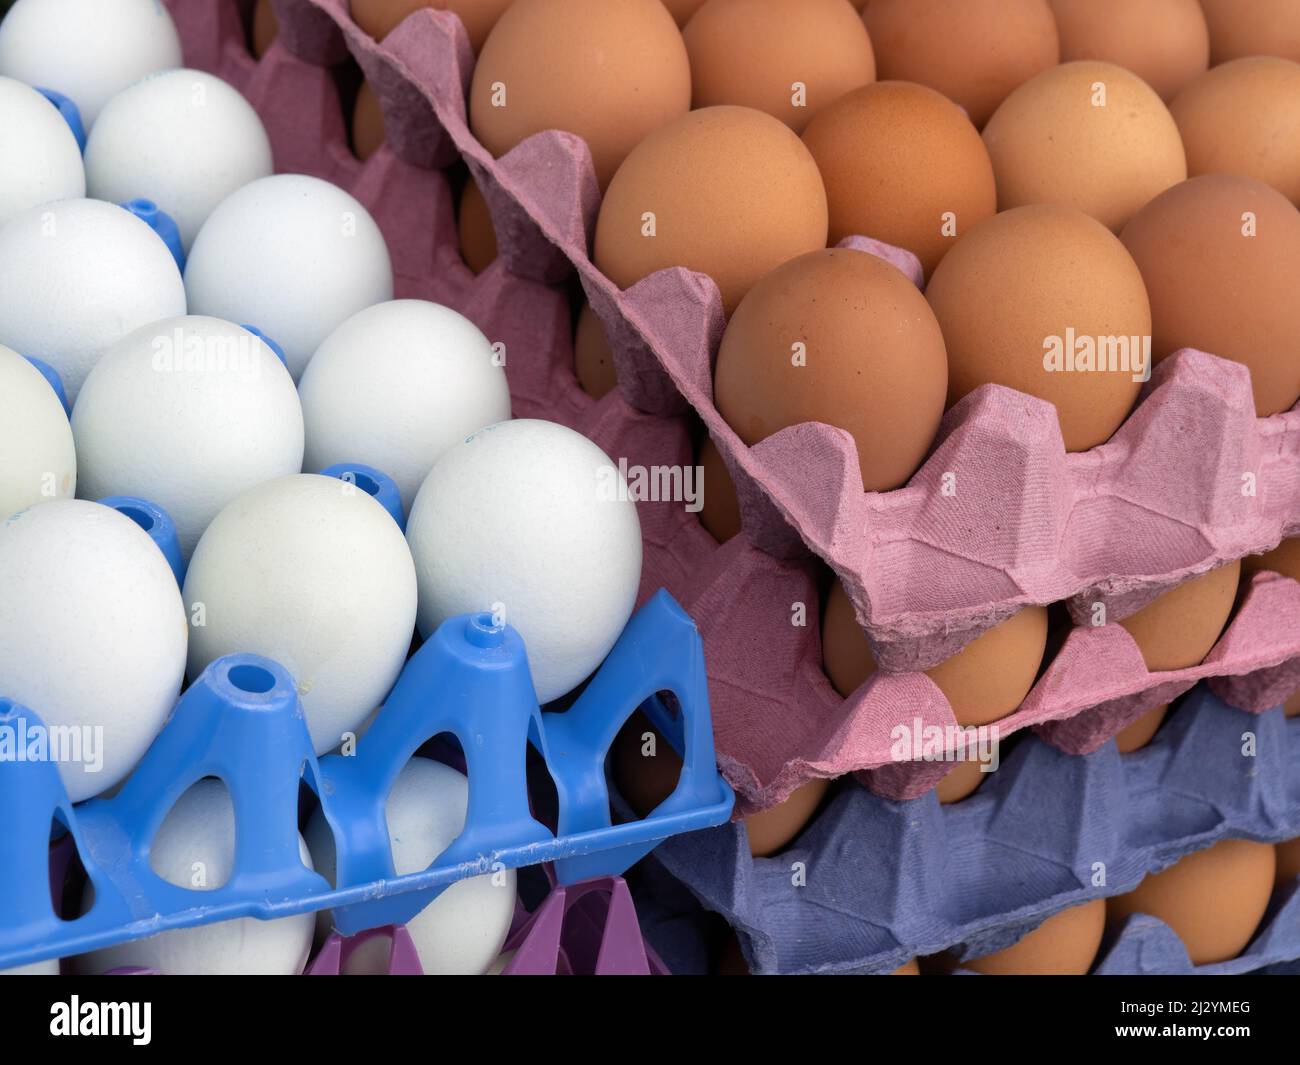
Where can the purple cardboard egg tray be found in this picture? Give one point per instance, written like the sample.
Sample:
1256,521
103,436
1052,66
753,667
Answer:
927,572
872,882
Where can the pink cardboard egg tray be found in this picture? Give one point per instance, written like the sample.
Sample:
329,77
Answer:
942,567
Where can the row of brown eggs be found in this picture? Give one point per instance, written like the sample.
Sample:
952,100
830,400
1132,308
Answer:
1213,899
983,683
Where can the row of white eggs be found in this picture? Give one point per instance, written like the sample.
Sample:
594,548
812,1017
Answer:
461,932
175,402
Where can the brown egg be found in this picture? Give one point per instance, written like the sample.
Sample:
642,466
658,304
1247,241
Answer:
1283,559
973,51
1213,898
610,71
380,17
1209,115
478,239
840,337
1252,27
1032,283
367,123
1088,135
1288,862
720,512
902,164
266,27
1164,42
645,781
682,10
593,358
1177,629
1064,945
789,58
728,191
1137,734
984,681
1220,255
961,781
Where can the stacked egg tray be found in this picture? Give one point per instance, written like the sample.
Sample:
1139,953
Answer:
874,882
927,570
242,722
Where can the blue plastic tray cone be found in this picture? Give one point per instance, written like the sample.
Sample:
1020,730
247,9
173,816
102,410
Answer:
470,679
158,524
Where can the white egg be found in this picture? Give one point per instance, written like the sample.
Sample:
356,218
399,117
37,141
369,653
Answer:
37,459
39,157
195,848
181,138
292,255
395,386
89,50
213,413
311,572
463,930
78,276
532,522
92,635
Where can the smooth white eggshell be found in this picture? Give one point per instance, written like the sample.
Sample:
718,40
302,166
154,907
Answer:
293,256
37,458
188,413
463,930
88,50
197,840
39,157
528,515
181,138
77,276
92,631
311,572
395,386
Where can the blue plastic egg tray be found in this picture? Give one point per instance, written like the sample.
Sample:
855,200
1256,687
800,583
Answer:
242,722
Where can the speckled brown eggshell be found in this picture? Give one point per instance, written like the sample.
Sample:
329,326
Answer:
478,237
903,164
610,71
1211,115
1178,629
380,17
840,337
984,681
731,192
1028,274
973,51
790,58
1164,42
1065,944
1213,898
593,358
720,508
1088,135
961,781
1252,27
367,122
646,781
1215,288
266,27
1283,559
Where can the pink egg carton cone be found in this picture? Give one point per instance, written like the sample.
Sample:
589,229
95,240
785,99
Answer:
927,572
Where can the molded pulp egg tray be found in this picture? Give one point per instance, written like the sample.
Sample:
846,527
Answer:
242,722
886,881
927,573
